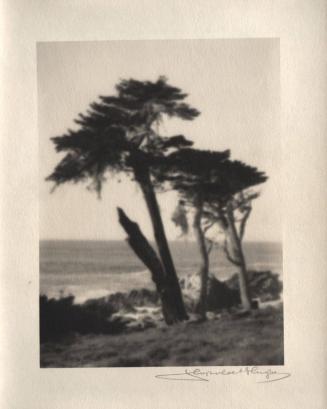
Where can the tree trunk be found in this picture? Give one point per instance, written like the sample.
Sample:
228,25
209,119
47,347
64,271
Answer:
238,256
143,178
148,256
201,306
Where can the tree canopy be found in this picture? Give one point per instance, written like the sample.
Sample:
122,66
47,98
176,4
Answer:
117,132
209,174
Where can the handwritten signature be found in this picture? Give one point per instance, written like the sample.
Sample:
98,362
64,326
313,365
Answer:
265,375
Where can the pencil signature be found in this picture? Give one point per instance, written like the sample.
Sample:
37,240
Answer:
264,375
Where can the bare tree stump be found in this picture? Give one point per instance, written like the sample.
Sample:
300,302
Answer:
148,256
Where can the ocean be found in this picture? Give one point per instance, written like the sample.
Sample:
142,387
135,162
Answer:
91,269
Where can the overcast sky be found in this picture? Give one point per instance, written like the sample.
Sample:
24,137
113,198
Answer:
234,83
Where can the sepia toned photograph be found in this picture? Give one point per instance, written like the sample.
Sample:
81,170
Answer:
160,203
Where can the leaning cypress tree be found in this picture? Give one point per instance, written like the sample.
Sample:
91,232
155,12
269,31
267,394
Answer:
209,182
120,134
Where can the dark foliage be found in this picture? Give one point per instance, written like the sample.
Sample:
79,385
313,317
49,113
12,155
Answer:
265,285
115,130
62,317
207,174
221,296
179,217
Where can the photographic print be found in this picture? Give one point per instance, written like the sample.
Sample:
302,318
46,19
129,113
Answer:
160,203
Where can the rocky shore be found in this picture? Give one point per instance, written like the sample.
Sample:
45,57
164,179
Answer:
140,309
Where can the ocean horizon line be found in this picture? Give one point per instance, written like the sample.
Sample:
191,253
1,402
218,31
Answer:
151,241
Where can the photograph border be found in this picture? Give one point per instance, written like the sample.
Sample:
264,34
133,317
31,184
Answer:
301,29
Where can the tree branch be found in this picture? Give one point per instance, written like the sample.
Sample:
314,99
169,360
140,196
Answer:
209,245
208,226
228,256
243,222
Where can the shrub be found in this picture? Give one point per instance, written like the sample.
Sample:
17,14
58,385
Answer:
60,317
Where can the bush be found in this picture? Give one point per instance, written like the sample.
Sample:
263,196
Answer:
61,317
221,296
264,285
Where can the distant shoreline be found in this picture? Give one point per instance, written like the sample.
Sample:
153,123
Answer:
151,241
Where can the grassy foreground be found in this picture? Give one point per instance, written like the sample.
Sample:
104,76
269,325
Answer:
229,340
